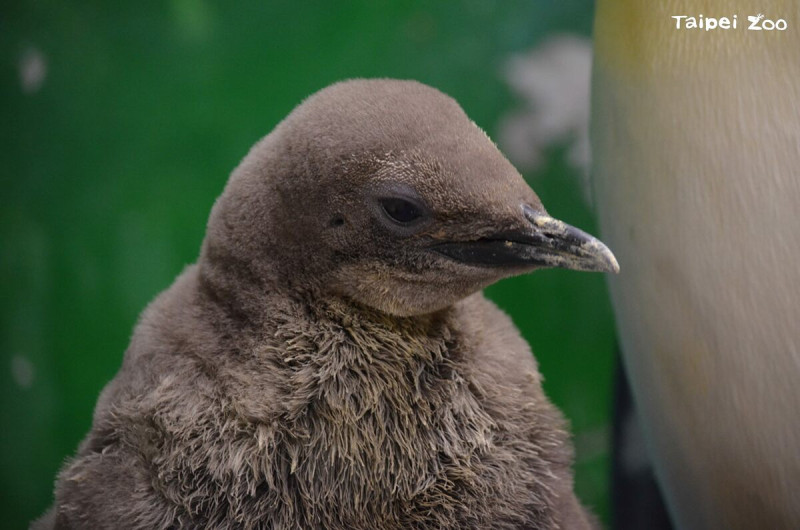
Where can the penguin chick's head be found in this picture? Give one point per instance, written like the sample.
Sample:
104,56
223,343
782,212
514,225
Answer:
384,192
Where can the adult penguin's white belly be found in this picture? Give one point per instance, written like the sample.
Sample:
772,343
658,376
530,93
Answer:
696,147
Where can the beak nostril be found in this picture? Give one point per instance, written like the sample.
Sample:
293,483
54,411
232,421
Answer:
538,218
532,214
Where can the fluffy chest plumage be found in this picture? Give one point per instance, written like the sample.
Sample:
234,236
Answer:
342,423
372,417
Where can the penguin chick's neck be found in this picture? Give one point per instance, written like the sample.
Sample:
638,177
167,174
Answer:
342,362
255,303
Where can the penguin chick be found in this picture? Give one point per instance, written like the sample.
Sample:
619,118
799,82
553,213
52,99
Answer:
329,362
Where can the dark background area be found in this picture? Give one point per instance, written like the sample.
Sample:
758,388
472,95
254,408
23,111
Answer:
113,155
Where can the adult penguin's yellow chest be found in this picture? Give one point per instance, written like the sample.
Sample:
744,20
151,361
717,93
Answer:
696,145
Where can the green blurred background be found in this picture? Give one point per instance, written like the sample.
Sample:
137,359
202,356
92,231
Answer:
121,123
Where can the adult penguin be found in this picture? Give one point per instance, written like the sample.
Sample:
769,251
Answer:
696,148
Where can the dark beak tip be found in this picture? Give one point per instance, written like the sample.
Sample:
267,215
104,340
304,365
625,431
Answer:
604,258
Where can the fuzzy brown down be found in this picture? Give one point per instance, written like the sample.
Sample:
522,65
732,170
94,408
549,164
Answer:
252,395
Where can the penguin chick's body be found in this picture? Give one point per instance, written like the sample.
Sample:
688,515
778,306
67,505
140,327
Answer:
330,361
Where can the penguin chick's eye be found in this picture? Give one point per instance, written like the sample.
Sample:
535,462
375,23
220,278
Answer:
401,210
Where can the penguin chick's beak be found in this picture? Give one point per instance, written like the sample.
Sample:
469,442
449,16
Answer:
546,242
